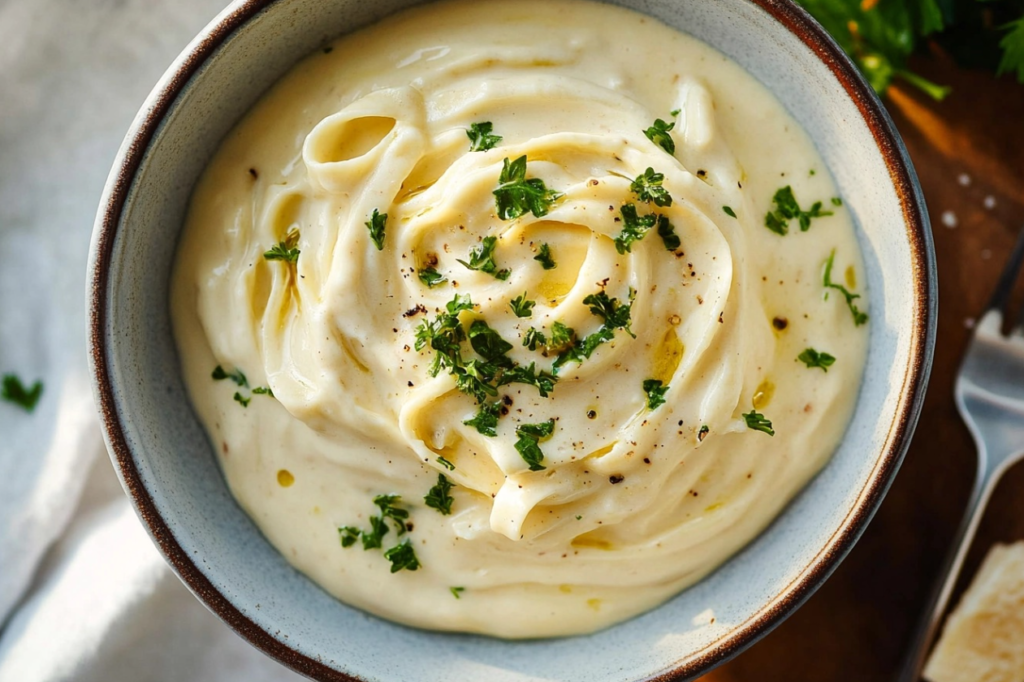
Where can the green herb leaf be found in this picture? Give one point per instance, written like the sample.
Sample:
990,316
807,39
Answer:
486,420
544,257
375,538
813,359
634,228
446,464
402,556
236,376
482,259
348,535
285,251
859,317
704,431
533,338
758,422
242,400
729,212
516,195
562,337
480,137
431,277
376,224
388,510
659,135
836,201
522,374
668,235
263,390
528,444
787,208
648,188
615,315
17,393
456,590
438,497
489,344
522,307
1012,45
655,391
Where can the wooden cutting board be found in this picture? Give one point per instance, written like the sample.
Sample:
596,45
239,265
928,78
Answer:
969,154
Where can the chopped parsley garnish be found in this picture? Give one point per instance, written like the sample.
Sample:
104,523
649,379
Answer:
533,338
348,535
488,343
729,212
516,195
17,393
648,187
431,277
263,390
482,259
480,137
388,510
236,376
402,556
659,135
376,225
543,381
615,315
446,464
634,228
758,422
787,208
859,317
668,235
285,250
444,335
655,391
438,497
522,307
486,420
675,112
456,590
562,337
528,445
836,201
813,359
544,257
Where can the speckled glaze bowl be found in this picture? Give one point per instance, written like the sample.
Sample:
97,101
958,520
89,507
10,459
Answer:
169,470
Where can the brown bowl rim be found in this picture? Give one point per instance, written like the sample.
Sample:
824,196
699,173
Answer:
904,178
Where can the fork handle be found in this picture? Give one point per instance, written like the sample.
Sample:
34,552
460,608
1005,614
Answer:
927,626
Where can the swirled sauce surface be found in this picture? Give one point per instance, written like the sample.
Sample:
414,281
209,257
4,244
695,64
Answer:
587,383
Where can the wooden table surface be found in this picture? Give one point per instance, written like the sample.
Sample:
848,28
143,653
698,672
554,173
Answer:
969,153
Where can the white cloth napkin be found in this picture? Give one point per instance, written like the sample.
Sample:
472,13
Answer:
84,595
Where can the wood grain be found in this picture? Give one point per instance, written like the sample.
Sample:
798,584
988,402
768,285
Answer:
857,625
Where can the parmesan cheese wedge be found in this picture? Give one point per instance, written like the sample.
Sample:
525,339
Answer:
983,640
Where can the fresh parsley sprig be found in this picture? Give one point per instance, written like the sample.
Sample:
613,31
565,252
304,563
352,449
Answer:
374,538
758,422
482,259
615,315
439,498
634,227
486,420
859,317
285,250
528,445
376,225
17,393
521,306
402,556
544,257
431,277
659,135
816,359
655,390
481,138
516,195
648,188
667,232
787,208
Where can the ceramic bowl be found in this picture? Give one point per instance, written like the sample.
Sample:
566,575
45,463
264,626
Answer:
170,472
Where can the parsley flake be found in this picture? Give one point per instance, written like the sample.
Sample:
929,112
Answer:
263,390
516,196
787,208
544,257
438,497
431,277
482,259
533,338
528,445
17,393
616,315
634,228
402,556
486,420
446,464
859,317
758,422
522,307
285,250
813,359
728,211
655,391
242,400
376,225
648,188
456,590
543,381
480,137
668,235
659,135
219,374
488,343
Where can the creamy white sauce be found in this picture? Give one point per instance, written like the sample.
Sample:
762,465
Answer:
633,505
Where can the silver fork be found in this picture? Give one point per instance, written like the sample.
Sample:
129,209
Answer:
990,397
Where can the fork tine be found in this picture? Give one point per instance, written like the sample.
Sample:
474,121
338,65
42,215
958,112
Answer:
1004,288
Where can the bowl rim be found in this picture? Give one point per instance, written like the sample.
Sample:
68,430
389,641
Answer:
922,343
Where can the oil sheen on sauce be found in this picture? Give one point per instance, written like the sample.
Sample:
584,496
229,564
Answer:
324,402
